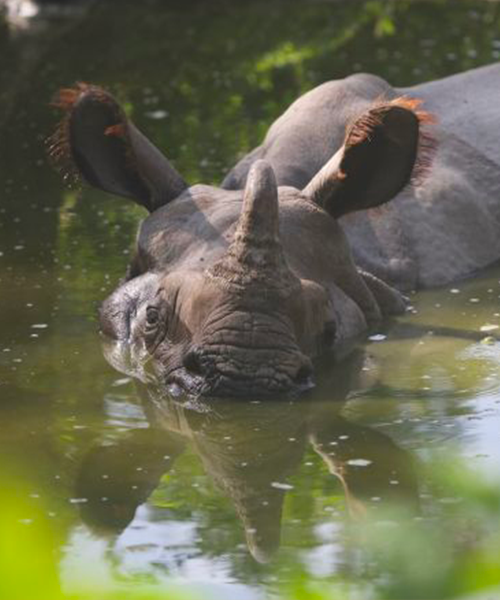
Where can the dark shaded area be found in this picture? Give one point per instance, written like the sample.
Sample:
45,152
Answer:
116,478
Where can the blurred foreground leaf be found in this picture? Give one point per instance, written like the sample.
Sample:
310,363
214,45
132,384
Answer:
27,553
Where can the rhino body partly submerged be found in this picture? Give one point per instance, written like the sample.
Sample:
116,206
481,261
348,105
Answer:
233,290
430,234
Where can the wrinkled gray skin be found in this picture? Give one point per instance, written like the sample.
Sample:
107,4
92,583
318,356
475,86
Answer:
234,289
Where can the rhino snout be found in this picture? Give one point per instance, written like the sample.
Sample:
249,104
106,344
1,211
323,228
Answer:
229,371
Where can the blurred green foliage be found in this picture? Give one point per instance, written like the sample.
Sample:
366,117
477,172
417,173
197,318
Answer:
25,535
449,553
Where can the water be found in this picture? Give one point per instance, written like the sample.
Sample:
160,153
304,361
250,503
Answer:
242,495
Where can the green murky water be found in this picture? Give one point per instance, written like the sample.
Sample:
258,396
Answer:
243,495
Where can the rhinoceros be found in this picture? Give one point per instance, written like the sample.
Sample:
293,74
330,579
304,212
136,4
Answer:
354,197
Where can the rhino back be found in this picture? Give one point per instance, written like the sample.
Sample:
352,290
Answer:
311,130
467,105
447,227
440,231
452,221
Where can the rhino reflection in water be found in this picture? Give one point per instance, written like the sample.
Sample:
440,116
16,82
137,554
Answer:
249,450
233,290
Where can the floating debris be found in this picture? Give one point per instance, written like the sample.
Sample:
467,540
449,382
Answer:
281,486
488,327
359,462
378,337
120,382
157,114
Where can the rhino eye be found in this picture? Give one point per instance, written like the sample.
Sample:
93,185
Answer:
152,316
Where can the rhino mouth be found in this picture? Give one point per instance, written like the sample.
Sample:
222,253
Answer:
181,383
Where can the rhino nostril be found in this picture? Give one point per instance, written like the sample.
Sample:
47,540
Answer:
192,363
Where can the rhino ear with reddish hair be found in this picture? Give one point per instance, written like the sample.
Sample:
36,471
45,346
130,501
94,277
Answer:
96,142
384,150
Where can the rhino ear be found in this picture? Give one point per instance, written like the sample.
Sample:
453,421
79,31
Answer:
97,142
384,149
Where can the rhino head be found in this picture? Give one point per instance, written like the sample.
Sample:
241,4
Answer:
233,292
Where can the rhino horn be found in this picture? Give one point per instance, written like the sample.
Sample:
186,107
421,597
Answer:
258,225
255,252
